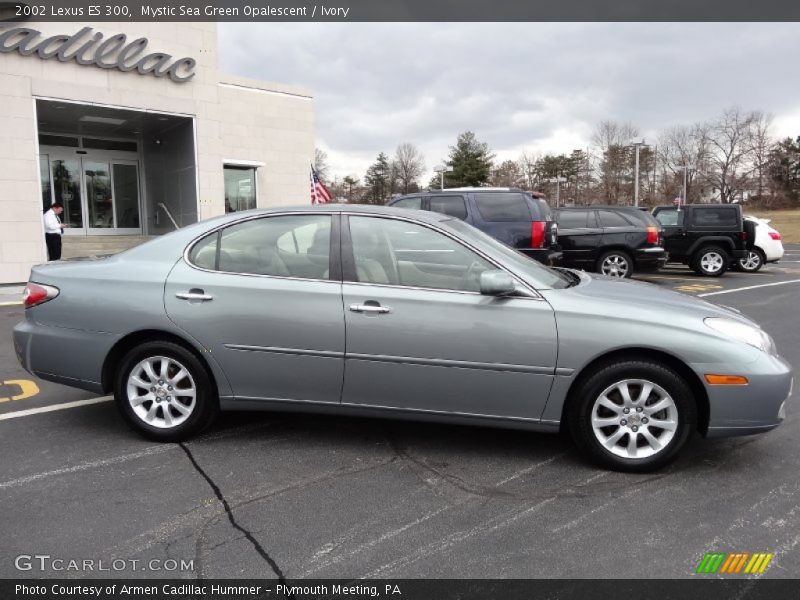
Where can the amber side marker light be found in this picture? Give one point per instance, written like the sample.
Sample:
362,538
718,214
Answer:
726,379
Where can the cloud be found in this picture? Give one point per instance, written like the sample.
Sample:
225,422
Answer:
535,86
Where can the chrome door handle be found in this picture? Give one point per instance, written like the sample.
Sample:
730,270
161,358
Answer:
368,308
194,296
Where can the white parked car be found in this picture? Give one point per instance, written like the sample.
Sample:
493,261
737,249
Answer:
768,247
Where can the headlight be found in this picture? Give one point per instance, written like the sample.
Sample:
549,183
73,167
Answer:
758,338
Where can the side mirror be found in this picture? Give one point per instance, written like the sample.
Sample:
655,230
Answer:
497,283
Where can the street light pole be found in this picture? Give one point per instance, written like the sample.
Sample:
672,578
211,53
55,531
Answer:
557,181
442,169
685,181
636,145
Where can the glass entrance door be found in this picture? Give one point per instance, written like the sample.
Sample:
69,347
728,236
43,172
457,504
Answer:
100,194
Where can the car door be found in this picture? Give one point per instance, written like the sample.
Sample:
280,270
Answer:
259,295
579,236
420,336
676,239
618,230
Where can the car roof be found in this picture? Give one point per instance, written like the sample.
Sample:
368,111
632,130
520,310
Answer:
366,209
600,206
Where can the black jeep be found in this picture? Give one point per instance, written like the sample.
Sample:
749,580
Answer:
707,237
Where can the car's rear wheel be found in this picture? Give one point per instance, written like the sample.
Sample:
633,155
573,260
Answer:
615,263
164,392
752,263
710,261
632,416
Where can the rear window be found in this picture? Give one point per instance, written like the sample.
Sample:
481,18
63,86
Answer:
573,219
544,209
610,218
502,207
715,217
452,206
641,216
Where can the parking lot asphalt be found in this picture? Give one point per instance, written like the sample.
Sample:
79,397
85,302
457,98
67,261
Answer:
265,495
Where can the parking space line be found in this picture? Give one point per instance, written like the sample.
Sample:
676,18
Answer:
749,287
44,409
15,303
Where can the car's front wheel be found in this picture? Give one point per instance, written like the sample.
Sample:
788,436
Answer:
632,416
752,263
164,392
710,261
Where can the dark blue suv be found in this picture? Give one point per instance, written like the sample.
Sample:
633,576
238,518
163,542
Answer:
515,217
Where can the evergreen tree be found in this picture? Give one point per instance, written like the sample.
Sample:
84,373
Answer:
379,180
471,162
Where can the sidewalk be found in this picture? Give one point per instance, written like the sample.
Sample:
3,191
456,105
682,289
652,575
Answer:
11,295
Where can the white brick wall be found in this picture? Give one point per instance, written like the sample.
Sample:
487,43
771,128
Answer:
268,122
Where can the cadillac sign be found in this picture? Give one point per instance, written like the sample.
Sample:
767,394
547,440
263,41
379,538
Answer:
88,48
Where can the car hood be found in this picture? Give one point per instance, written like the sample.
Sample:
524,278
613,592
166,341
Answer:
625,296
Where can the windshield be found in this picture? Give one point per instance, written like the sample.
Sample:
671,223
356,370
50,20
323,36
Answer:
535,273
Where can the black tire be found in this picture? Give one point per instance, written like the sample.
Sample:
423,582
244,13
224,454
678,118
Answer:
582,407
203,410
703,258
612,263
751,264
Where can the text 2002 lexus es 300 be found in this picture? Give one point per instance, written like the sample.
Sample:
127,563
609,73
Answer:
386,312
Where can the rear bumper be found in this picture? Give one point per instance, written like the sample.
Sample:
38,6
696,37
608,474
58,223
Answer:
651,259
546,256
67,356
756,407
739,254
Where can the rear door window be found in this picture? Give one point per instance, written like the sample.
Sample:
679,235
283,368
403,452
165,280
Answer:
502,207
722,216
408,203
452,206
573,219
610,218
670,217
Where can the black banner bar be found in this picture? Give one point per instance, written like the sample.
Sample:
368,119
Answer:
400,10
742,588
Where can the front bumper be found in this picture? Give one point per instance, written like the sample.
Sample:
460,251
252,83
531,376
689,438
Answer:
756,407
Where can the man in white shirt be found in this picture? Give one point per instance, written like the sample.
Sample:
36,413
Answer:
53,228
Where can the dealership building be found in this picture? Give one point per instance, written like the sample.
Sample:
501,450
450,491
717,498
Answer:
133,128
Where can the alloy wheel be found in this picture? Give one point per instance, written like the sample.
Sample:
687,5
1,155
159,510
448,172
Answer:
752,262
161,391
634,418
614,265
712,262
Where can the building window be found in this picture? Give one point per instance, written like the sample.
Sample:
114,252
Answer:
240,188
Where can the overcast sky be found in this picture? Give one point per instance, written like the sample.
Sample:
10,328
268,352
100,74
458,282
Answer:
538,87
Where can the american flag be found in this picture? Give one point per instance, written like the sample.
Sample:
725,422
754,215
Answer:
319,193
678,201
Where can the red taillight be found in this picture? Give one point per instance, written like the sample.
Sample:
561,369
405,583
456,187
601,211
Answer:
537,234
775,235
744,236
652,234
35,294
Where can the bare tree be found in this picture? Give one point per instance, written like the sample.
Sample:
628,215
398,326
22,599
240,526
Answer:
408,165
527,163
728,153
760,145
679,146
615,168
321,163
507,174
